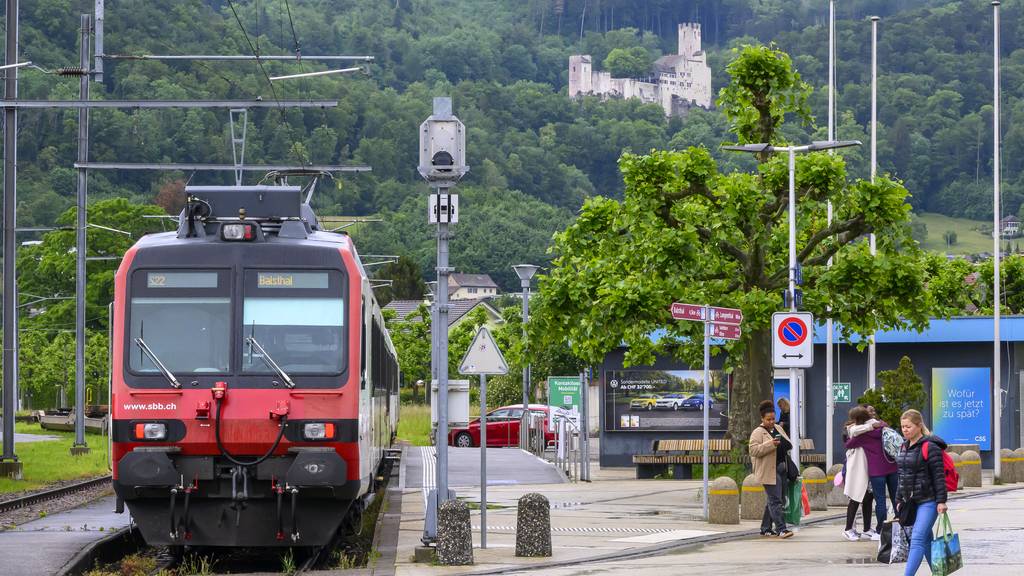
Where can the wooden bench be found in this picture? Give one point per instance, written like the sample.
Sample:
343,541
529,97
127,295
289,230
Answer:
682,455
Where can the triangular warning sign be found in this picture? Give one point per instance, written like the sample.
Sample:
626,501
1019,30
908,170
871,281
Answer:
483,356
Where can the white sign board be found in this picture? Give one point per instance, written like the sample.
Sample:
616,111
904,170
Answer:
792,339
483,356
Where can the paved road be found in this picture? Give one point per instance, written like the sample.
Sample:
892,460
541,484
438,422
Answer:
505,466
991,532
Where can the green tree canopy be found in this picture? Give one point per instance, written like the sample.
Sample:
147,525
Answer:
686,232
628,62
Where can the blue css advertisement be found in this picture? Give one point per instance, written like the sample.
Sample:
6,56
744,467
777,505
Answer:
962,405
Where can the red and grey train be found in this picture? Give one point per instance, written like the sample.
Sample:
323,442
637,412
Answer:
254,385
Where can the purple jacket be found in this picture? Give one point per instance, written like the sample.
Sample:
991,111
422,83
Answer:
871,442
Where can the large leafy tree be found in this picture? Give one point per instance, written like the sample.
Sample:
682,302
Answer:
685,232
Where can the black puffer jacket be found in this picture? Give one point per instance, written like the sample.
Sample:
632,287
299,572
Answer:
920,480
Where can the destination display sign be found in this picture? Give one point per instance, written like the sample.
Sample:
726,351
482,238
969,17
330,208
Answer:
316,280
181,280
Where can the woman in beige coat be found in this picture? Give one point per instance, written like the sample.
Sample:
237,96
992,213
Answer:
768,446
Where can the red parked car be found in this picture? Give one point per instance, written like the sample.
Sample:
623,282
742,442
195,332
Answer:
502,428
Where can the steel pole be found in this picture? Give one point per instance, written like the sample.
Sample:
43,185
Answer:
829,396
997,235
9,460
483,461
794,388
441,297
81,248
872,370
585,425
704,404
524,432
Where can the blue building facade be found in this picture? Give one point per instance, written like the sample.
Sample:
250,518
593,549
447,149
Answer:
954,359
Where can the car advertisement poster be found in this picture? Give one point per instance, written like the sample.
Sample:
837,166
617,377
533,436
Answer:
962,405
664,400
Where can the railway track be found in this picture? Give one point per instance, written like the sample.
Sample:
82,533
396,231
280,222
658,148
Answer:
53,494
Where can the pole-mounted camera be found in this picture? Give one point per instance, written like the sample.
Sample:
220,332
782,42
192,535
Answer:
442,146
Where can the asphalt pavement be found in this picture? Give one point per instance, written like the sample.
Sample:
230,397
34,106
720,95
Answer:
991,530
43,547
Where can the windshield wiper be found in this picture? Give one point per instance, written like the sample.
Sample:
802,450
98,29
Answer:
163,369
270,361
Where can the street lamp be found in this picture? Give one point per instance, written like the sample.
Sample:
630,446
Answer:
525,273
763,148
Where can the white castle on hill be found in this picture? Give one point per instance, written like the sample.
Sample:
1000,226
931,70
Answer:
677,81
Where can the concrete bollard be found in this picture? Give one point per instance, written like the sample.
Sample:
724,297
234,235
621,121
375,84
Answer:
753,499
454,534
970,469
1018,456
836,497
723,501
817,489
533,529
1008,467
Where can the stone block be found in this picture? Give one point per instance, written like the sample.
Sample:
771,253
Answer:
11,469
817,488
533,526
961,448
454,534
970,469
836,497
1008,468
1018,456
752,500
723,501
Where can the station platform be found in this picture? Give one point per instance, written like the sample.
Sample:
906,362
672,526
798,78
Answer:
45,546
612,517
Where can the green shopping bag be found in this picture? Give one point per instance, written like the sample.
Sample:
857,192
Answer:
794,505
945,557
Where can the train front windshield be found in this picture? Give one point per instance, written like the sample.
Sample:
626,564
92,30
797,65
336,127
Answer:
184,317
297,318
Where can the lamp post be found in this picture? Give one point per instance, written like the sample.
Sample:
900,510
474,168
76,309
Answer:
872,371
997,393
525,273
762,148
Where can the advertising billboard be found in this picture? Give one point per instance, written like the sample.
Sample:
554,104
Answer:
564,398
962,405
663,400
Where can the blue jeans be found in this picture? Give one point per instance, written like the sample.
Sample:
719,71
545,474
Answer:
921,540
878,486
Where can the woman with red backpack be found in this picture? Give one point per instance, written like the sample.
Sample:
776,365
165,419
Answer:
921,495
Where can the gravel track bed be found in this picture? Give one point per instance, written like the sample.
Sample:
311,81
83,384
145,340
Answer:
50,507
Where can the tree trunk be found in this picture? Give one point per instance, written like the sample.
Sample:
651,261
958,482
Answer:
752,383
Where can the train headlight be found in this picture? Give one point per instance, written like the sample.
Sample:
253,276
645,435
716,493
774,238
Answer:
235,232
151,431
318,431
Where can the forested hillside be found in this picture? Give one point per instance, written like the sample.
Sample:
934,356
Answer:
535,155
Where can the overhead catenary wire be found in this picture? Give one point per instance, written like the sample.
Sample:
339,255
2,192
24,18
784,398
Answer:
252,47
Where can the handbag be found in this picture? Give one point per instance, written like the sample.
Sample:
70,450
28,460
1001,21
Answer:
805,500
838,480
893,544
788,469
945,557
907,513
